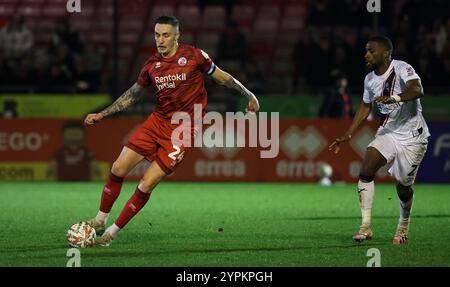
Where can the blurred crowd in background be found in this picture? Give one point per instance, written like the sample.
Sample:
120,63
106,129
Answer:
66,64
420,31
296,53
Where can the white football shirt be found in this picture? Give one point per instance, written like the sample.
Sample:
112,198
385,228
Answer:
403,119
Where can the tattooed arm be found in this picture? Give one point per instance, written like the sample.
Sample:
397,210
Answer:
128,98
225,79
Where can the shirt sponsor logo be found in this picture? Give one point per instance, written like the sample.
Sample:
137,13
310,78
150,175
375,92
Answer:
169,81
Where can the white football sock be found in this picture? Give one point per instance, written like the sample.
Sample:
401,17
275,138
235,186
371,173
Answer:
366,192
102,216
405,211
113,230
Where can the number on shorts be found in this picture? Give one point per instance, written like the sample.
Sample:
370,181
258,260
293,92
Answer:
414,167
173,155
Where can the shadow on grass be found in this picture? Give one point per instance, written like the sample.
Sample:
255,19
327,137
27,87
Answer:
113,252
135,253
122,250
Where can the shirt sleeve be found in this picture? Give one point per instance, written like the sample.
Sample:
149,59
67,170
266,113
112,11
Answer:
367,94
204,62
144,78
407,73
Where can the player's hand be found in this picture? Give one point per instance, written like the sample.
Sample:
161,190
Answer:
253,104
335,146
92,119
385,100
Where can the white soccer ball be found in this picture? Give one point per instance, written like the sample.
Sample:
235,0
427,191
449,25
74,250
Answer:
81,234
326,170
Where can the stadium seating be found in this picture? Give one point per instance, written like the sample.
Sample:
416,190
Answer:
159,10
208,42
243,15
261,21
213,18
189,16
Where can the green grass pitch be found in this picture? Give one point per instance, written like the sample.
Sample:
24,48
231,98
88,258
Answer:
263,225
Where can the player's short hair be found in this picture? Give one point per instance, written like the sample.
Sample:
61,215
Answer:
171,20
383,41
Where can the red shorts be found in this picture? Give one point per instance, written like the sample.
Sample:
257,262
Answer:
152,140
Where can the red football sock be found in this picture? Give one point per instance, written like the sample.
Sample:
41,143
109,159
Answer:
110,192
132,207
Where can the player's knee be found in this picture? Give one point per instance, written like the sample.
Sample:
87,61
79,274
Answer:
367,173
373,161
147,184
401,188
119,169
146,187
366,177
404,192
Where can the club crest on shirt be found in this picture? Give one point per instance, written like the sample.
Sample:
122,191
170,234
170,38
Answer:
158,64
182,61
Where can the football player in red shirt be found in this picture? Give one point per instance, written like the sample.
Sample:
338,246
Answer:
176,73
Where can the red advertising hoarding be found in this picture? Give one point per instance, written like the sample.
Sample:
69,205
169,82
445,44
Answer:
302,148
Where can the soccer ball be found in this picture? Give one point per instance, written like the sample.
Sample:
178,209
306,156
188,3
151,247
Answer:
326,170
81,234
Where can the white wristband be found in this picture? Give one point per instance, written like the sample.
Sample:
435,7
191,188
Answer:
396,98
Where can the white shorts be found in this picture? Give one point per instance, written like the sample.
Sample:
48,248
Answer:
405,156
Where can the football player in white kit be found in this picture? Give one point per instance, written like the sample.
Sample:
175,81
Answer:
395,88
